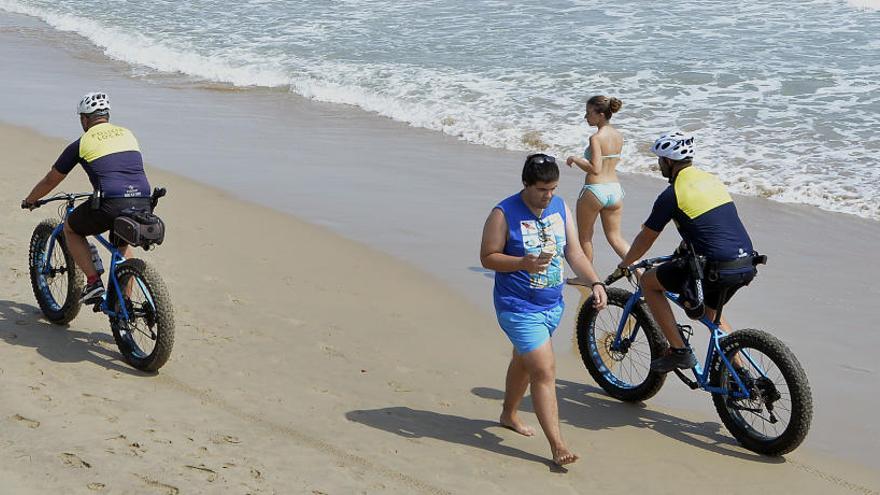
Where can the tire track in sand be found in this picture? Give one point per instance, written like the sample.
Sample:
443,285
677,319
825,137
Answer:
834,480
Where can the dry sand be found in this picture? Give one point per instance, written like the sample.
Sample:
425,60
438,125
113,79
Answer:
307,363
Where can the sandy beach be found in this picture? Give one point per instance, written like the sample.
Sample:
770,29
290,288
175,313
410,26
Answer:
334,328
307,363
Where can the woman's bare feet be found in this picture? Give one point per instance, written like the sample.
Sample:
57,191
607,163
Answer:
514,423
563,456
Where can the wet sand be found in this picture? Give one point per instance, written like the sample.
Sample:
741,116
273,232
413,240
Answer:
307,363
361,354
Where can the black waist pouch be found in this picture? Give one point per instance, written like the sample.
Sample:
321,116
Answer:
736,272
139,228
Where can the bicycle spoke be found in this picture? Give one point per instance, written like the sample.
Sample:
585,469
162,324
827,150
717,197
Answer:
139,332
56,280
753,413
631,363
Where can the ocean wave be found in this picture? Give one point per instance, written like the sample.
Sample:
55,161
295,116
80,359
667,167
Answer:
785,125
139,49
864,4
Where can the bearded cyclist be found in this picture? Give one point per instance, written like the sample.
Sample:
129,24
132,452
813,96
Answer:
112,159
706,218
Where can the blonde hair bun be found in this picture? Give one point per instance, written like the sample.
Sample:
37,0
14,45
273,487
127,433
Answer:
614,104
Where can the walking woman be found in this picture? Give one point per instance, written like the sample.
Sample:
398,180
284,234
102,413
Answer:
601,194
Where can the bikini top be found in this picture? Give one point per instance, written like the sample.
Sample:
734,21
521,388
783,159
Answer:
588,154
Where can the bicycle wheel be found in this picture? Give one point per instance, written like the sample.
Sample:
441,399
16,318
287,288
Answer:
776,417
623,372
58,287
145,339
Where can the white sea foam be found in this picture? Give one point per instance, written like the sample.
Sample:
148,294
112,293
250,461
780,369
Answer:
139,49
784,98
864,4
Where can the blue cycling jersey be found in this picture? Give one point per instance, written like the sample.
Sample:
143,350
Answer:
112,159
703,211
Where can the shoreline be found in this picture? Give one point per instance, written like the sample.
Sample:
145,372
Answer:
395,194
277,98
283,358
433,301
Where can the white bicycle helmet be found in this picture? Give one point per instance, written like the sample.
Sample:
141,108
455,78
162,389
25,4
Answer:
94,102
674,145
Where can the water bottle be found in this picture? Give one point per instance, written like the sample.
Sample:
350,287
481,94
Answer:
96,259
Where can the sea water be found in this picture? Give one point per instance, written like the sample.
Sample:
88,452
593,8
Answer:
783,97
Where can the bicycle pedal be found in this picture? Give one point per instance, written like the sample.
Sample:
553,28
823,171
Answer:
96,308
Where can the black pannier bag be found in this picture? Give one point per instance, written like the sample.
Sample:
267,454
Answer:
139,228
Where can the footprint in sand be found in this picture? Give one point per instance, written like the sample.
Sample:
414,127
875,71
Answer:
136,449
234,300
398,387
73,460
161,487
331,351
30,423
210,474
97,397
220,439
96,487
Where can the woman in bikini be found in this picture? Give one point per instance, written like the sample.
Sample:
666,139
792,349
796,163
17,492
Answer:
601,194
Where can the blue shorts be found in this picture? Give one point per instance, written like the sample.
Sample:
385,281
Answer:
528,331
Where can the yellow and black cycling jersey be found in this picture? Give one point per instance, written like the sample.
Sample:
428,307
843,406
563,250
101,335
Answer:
112,159
704,214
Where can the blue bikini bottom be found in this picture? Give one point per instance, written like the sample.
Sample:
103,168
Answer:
607,193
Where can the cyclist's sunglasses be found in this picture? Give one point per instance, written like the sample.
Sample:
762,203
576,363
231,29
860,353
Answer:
540,159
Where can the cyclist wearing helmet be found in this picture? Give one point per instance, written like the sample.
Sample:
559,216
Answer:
112,159
706,218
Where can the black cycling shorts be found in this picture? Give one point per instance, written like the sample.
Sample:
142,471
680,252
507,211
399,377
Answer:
86,221
675,276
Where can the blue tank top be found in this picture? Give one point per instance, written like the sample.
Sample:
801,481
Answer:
521,291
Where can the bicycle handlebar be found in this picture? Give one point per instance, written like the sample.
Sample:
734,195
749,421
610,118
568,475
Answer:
620,273
154,199
57,197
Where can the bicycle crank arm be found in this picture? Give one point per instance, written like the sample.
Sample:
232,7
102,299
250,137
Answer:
687,381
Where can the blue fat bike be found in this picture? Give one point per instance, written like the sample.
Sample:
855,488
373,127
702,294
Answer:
136,300
758,386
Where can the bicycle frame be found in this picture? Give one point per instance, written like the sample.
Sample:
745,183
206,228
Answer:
701,375
116,257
